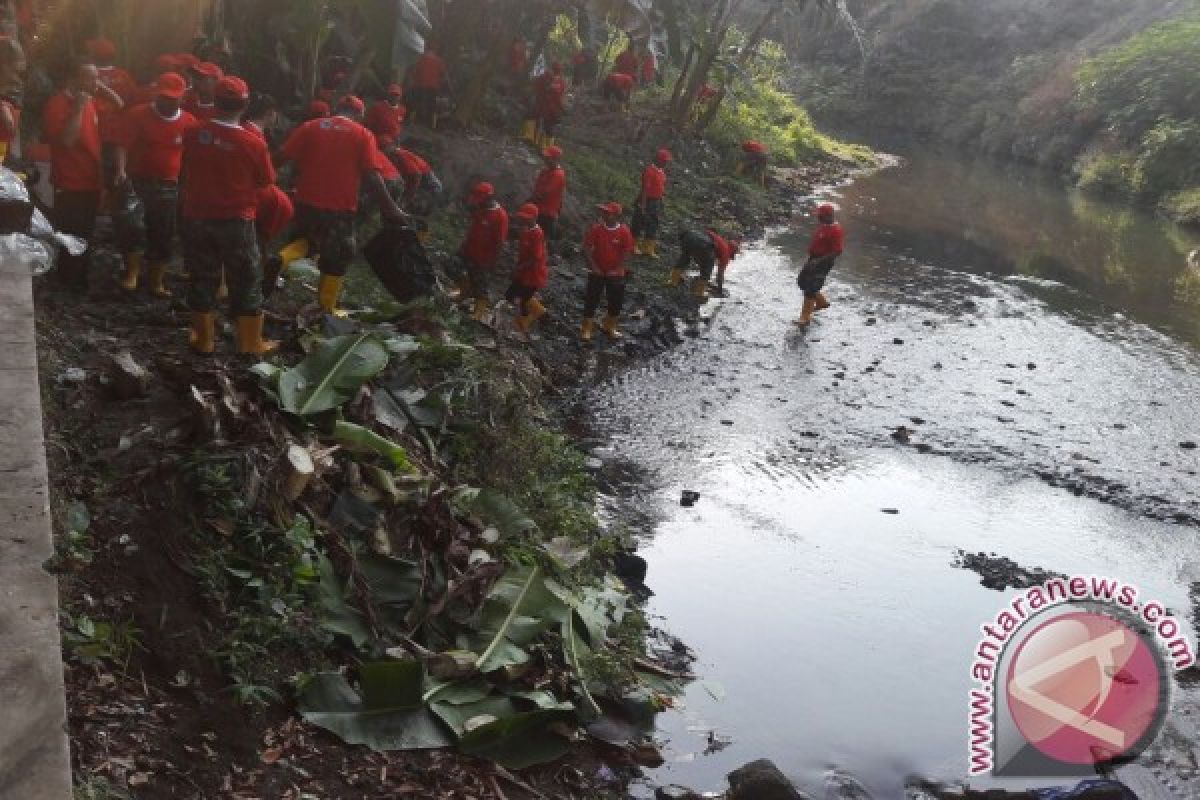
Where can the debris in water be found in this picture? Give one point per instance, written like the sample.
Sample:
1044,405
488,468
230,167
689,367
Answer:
688,498
892,511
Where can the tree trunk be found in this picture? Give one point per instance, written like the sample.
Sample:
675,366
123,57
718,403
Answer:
747,52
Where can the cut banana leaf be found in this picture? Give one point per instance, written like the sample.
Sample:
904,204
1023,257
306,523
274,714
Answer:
358,439
520,741
332,374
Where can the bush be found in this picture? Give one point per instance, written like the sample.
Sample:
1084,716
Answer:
1183,207
1108,173
1150,77
1169,158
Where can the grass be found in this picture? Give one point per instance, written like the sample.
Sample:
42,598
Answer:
1183,207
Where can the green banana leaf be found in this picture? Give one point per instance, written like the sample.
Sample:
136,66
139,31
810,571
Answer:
337,615
358,439
520,741
383,717
518,608
464,717
495,509
332,374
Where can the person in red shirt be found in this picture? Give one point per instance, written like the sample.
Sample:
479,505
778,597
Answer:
532,270
147,161
606,246
827,243
754,161
275,209
427,78
649,68
104,53
199,100
549,188
317,109
421,184
627,62
584,67
481,248
707,249
618,90
648,208
334,157
549,103
386,117
71,126
225,167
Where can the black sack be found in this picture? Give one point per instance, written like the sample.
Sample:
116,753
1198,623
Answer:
400,262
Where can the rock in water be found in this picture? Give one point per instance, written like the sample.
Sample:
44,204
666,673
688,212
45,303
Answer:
674,792
761,780
841,785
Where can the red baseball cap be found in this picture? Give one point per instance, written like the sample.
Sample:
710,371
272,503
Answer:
170,84
318,109
354,103
207,69
187,60
664,156
553,151
825,210
232,87
168,62
395,90
613,208
528,211
481,191
101,48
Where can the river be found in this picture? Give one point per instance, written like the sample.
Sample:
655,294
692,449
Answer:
1039,349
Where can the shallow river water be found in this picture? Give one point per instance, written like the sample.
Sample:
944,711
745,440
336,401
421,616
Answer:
1041,351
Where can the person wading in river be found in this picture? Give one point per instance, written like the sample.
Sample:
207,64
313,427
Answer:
823,251
707,249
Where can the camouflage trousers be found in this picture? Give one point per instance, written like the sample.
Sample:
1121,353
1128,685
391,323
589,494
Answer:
160,200
331,234
213,245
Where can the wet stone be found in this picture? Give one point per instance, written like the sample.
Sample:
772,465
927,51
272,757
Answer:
1188,445
761,780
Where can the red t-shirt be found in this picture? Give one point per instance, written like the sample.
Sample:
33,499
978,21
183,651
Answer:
654,182
75,168
386,121
620,82
387,170
428,72
609,248
274,212
486,237
154,144
722,248
649,68
752,146
532,269
224,168
111,118
548,191
551,96
627,63
332,155
827,240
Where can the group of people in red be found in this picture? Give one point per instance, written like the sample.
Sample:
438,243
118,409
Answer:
192,149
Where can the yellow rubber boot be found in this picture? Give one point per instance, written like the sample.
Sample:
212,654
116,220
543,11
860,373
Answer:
675,278
639,247
223,289
822,302
534,310
588,329
293,251
740,168
480,311
529,131
133,271
610,328
549,141
652,248
158,280
329,291
249,336
810,305
700,289
203,336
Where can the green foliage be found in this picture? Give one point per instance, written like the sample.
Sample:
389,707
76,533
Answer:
1150,77
95,788
96,642
760,106
594,175
1108,173
1169,158
1183,207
